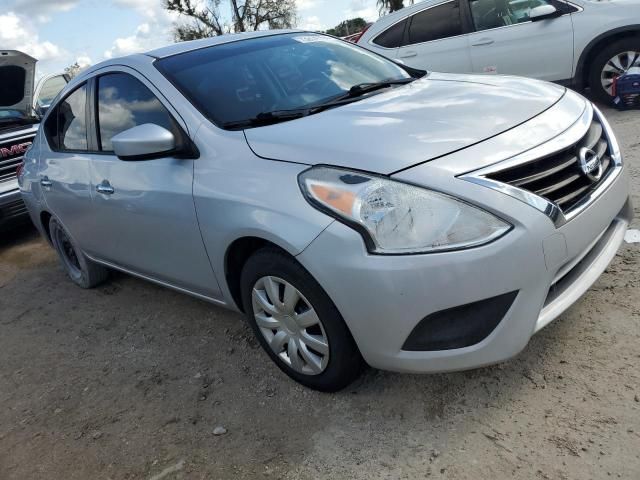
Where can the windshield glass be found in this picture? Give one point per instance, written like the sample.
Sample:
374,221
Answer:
50,89
237,81
8,113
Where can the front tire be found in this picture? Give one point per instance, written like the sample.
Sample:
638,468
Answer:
82,271
611,62
296,322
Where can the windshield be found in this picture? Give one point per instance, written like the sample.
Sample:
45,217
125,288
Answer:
238,81
8,113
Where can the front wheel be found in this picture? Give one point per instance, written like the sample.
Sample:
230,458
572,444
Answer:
296,322
82,271
610,63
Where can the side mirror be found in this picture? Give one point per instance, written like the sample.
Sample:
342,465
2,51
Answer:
543,12
144,142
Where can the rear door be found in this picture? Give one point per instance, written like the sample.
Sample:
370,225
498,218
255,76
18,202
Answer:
144,215
507,42
64,166
435,39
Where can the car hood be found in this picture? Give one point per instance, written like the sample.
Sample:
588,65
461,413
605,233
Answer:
404,126
17,72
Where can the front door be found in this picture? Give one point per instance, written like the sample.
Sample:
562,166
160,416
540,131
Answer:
507,42
144,214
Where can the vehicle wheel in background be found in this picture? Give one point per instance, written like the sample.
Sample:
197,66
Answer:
82,271
296,322
611,62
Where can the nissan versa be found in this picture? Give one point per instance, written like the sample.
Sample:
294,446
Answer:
357,211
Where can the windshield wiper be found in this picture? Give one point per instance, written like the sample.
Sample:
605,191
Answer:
363,88
277,116
268,118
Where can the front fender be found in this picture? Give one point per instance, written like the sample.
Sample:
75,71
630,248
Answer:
238,194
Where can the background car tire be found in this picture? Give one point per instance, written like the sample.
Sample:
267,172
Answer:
344,360
82,271
601,60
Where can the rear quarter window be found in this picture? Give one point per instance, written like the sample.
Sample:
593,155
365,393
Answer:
393,36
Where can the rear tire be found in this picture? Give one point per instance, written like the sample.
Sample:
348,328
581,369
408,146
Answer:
82,271
306,337
611,62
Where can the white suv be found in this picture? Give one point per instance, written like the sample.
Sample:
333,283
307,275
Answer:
581,43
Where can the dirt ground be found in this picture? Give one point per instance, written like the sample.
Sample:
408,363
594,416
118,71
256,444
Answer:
129,381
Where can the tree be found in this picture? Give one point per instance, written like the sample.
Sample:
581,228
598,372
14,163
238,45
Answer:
353,25
246,15
73,70
388,6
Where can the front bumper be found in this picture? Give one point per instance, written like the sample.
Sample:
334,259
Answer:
383,298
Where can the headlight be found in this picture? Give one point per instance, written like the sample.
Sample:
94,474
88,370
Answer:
396,217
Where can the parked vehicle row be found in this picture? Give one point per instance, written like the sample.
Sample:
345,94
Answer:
579,43
355,209
20,110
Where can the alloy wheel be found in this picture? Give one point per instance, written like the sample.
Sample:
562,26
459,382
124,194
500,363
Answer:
290,325
617,66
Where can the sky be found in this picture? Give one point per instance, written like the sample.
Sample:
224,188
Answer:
61,32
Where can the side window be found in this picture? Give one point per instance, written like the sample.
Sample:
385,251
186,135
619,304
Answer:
435,23
489,14
71,128
123,103
392,37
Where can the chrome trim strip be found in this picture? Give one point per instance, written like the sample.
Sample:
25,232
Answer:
156,281
569,137
25,136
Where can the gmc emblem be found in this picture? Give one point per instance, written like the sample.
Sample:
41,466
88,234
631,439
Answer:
14,150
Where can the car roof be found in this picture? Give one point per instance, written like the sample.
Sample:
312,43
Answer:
182,47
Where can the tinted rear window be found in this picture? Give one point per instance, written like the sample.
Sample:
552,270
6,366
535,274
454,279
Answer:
442,21
392,38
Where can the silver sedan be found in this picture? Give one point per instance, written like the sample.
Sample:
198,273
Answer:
356,210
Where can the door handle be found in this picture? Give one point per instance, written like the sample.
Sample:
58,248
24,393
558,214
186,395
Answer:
409,54
45,182
105,188
483,41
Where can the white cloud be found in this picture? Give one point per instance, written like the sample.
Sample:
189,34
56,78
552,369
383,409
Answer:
362,8
136,43
155,32
303,5
313,24
41,10
84,61
17,33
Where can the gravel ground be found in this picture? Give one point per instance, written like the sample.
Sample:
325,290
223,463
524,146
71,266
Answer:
129,381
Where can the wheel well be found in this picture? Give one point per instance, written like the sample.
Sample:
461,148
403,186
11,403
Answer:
44,220
592,50
237,255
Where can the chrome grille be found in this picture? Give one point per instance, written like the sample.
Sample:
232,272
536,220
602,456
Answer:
9,160
12,210
558,177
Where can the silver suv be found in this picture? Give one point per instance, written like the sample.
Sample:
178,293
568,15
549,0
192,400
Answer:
354,209
579,43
